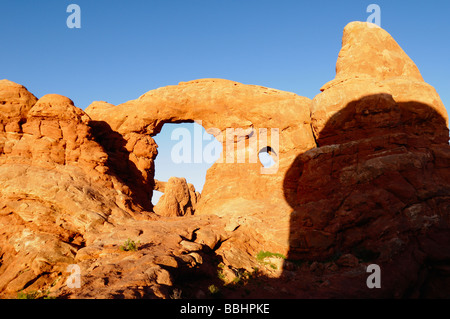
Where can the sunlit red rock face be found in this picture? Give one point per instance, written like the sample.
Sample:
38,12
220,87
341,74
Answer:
55,187
363,176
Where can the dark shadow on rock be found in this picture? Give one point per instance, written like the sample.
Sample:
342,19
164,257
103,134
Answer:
120,165
376,190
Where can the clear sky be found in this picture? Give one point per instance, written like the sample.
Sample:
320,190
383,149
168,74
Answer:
126,48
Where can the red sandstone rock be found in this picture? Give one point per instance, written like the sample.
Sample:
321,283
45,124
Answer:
179,198
54,188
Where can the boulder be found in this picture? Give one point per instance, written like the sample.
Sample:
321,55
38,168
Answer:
179,198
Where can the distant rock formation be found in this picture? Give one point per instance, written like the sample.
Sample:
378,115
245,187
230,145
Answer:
179,199
363,177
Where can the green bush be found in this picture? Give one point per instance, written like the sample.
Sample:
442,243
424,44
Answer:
214,290
28,295
266,254
130,245
34,295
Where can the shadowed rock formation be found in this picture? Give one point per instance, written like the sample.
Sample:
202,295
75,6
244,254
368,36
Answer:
376,188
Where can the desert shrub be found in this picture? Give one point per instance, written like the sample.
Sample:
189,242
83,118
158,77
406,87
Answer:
130,245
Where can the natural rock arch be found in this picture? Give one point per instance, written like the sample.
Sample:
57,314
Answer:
218,104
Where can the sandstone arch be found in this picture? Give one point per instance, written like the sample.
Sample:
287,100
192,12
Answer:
219,104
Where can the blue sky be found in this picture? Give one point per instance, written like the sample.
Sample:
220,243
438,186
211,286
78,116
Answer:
126,48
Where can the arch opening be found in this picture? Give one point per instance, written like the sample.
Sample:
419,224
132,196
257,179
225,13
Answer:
267,157
185,150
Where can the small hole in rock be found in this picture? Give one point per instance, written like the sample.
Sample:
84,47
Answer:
267,157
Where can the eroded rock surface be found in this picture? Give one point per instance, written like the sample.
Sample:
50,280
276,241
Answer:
179,199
